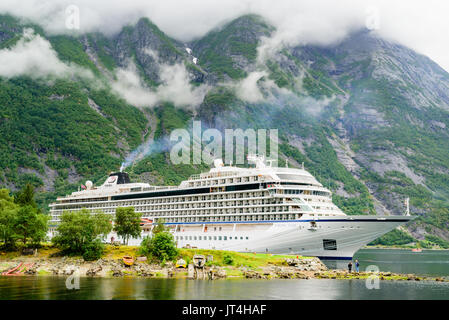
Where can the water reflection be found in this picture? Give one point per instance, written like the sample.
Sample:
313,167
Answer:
180,289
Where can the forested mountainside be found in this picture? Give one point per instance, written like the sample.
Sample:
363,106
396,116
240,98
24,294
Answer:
369,118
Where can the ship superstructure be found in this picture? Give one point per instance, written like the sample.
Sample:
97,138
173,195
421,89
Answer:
268,209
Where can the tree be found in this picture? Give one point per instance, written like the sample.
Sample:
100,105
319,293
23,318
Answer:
26,197
127,223
30,224
8,212
79,230
160,246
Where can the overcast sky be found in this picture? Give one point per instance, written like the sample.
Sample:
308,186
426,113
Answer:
421,25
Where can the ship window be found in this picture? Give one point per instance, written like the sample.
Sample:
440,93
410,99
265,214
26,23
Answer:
329,244
225,238
219,238
241,238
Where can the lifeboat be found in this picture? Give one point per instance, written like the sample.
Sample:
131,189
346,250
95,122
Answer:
128,261
181,263
145,221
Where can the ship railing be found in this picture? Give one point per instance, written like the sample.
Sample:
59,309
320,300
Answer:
153,188
217,175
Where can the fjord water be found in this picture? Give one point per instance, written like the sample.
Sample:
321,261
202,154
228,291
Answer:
427,262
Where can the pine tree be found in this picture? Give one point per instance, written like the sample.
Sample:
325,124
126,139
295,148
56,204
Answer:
25,197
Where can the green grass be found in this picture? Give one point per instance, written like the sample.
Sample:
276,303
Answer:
118,252
250,260
44,252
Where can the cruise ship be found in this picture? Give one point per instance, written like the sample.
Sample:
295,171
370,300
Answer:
262,208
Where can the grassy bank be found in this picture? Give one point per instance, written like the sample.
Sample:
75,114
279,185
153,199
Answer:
224,258
117,252
219,257
231,265
50,261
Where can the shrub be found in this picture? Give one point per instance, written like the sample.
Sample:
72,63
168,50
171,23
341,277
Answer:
440,242
93,251
227,259
161,246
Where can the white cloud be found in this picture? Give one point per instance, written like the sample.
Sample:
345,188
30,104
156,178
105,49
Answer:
34,56
175,87
419,24
129,86
248,88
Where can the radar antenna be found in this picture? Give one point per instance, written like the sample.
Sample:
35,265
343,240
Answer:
259,161
407,206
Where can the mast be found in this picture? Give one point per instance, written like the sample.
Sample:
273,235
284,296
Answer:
407,206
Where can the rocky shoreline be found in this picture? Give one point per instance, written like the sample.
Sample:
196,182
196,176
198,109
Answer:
66,266
310,268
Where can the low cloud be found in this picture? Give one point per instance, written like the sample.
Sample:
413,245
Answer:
34,56
421,25
130,87
175,87
258,88
248,89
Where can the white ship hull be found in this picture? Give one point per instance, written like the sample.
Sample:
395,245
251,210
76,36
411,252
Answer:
350,233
